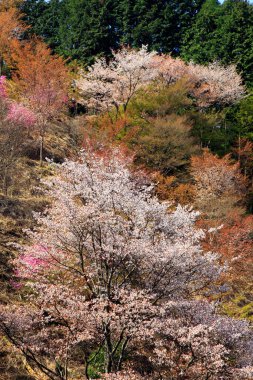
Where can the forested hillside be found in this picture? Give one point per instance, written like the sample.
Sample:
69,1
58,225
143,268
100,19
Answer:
200,31
126,190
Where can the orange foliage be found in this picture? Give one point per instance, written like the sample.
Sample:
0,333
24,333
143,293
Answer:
7,4
41,78
107,131
42,81
245,156
11,27
216,176
234,241
167,188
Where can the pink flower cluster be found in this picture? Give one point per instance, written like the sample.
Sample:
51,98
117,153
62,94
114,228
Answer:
33,262
2,86
19,114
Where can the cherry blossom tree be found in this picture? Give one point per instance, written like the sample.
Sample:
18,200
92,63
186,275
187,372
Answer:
169,68
114,83
216,84
210,85
111,273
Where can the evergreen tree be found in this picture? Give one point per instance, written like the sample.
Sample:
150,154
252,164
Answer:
82,29
235,31
44,19
87,29
199,42
222,32
157,23
33,11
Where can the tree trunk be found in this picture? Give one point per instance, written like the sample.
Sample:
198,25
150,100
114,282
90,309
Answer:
108,349
108,362
5,182
41,149
86,369
239,148
122,354
1,66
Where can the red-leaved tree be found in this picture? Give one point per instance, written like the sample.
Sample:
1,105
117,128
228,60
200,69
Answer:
42,80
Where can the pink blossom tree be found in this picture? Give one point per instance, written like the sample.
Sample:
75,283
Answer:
23,116
16,113
216,84
112,274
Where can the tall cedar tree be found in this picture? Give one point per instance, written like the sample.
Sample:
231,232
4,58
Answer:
83,29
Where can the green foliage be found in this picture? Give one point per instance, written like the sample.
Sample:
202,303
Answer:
221,131
80,29
199,42
166,144
241,306
235,32
211,131
97,364
156,23
222,32
171,127
202,31
163,113
90,32
83,29
44,18
240,119
161,99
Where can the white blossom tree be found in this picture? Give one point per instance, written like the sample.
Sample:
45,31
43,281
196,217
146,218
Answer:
112,274
114,83
213,84
111,84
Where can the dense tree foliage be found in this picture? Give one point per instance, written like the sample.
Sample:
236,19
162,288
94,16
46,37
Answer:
84,29
202,31
112,84
11,29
